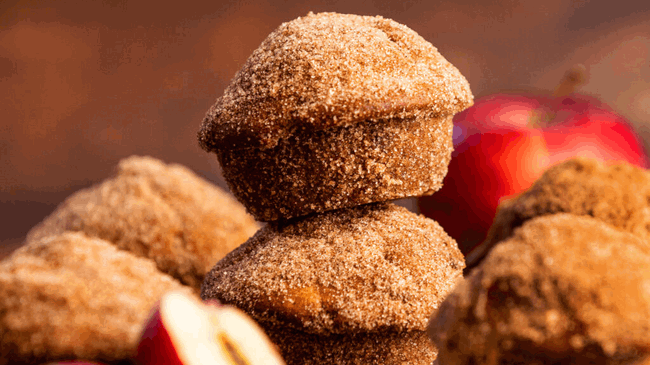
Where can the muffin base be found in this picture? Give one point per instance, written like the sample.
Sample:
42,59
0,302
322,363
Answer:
369,348
316,171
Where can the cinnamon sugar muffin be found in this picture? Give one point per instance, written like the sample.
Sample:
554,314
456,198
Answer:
348,286
618,194
334,111
563,289
75,297
159,211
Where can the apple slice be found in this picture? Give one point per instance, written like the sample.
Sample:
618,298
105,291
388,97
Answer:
184,331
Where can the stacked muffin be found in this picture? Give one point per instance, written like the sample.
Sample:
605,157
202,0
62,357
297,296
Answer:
330,118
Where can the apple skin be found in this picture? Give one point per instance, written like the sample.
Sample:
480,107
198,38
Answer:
183,330
507,140
156,345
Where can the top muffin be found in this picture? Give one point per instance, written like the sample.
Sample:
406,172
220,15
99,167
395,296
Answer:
326,70
334,111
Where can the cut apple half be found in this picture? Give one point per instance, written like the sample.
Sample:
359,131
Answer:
182,330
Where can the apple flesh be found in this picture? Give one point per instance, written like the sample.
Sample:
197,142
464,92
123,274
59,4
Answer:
506,141
184,331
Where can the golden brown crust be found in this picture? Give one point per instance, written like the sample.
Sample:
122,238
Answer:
562,289
75,297
159,211
368,348
340,167
324,70
360,269
618,194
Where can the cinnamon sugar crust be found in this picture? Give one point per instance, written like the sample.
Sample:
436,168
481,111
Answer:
367,268
75,297
618,194
381,347
340,167
160,211
327,69
563,289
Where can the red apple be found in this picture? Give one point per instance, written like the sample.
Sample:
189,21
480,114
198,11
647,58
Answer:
184,331
504,143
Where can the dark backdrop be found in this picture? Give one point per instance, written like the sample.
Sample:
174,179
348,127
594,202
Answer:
86,83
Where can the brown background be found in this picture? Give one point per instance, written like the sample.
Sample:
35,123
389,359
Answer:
86,83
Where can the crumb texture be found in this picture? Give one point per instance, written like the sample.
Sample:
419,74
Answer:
329,69
371,267
563,289
313,172
75,297
371,348
162,212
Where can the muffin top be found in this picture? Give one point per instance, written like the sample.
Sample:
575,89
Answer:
164,212
329,69
562,289
618,194
361,269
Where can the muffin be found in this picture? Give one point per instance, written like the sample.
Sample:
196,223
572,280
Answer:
618,194
563,289
335,111
75,297
348,286
162,212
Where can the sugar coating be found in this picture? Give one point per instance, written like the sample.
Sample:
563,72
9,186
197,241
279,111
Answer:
618,194
75,297
382,347
159,211
371,267
563,289
340,167
327,69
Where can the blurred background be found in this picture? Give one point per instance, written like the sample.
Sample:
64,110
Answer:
85,83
